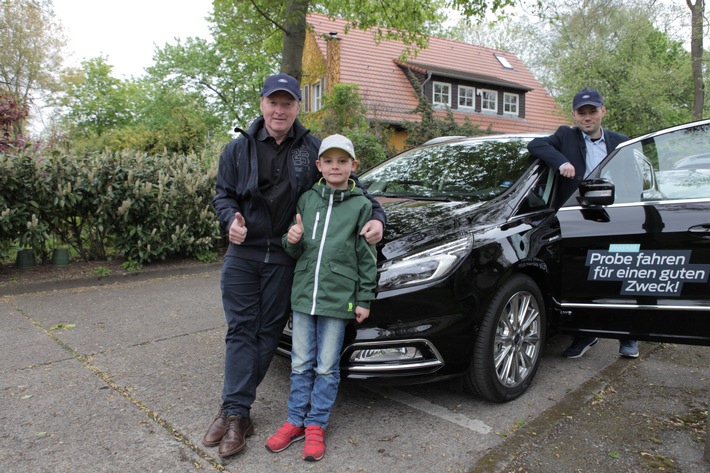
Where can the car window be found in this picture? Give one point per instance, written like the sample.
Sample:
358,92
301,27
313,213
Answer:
674,165
465,170
538,197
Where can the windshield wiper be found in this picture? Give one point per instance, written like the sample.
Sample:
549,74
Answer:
415,197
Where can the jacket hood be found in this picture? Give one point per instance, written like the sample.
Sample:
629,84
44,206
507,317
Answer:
325,191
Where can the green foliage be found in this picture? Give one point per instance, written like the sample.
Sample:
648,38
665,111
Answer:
102,112
95,101
145,207
19,207
344,112
643,74
31,43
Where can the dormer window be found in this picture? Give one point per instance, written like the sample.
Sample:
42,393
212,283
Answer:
442,94
467,97
489,100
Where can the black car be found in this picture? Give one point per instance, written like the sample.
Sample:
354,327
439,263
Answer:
477,267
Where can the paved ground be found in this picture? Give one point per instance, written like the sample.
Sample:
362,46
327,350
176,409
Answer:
122,373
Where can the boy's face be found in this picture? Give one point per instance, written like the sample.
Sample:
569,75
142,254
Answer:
336,166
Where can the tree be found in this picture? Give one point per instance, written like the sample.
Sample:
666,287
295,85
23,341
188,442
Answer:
697,10
253,39
643,74
94,101
100,111
410,21
31,52
344,112
622,48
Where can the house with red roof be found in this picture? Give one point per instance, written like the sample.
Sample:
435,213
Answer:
492,89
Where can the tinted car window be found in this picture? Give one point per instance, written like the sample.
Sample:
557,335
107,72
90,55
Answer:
664,167
463,170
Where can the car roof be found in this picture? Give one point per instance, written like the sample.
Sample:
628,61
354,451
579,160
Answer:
502,136
664,131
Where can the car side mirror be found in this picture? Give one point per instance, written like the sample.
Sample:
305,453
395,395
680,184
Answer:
596,192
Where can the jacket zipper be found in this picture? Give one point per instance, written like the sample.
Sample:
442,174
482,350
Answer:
315,226
320,251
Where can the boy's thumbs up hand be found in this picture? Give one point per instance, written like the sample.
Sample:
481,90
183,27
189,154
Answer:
295,233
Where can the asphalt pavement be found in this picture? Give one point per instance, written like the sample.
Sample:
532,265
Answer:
123,374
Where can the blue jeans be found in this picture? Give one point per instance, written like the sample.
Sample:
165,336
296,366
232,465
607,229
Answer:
315,368
257,300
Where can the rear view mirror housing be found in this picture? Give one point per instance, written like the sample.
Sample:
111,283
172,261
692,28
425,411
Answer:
596,192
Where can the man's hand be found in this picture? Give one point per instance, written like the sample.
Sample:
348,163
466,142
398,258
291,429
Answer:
295,233
372,231
567,170
361,313
238,230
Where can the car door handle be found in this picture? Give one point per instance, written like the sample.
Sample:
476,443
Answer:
700,230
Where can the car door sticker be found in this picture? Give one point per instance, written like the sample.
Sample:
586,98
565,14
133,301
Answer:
645,273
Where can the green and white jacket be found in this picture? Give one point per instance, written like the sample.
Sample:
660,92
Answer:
336,268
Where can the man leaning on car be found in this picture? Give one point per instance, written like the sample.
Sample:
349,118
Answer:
575,152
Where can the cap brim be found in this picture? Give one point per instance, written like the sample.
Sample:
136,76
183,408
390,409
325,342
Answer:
596,104
320,153
266,94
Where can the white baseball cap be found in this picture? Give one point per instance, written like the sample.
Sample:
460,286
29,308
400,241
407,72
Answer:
338,142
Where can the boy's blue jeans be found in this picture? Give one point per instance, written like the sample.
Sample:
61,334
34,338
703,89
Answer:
315,368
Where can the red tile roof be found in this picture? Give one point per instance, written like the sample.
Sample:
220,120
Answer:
390,97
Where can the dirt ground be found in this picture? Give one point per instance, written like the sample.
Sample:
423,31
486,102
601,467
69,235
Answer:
78,269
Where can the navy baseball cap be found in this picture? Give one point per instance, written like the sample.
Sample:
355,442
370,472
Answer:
281,82
587,97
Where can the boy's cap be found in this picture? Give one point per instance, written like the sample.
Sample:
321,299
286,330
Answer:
339,142
281,82
587,97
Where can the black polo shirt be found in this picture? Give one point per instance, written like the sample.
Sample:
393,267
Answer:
274,183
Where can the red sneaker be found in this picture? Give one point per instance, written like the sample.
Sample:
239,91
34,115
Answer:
314,449
284,437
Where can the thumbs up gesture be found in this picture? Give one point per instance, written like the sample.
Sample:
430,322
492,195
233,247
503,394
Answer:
238,230
295,233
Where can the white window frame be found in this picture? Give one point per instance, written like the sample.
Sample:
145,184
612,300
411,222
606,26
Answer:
489,97
441,94
317,92
467,93
511,103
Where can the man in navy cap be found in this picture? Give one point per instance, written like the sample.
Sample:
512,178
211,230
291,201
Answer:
575,152
260,177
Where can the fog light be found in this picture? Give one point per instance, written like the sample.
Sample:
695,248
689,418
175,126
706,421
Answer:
380,355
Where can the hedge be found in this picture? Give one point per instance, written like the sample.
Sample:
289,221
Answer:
142,208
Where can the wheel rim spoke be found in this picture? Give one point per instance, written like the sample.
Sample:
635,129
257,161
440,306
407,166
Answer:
517,340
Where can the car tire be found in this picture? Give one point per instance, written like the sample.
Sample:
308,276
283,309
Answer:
509,343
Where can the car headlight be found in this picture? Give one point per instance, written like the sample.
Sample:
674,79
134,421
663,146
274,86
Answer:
427,266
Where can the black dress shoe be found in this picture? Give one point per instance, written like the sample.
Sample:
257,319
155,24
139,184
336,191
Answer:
234,440
217,430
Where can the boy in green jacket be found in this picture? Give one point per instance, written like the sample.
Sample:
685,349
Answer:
334,281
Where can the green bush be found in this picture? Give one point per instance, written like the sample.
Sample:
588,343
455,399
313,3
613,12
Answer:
143,208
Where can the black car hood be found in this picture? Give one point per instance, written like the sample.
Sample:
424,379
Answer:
416,222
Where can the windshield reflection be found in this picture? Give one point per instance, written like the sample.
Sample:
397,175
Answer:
473,170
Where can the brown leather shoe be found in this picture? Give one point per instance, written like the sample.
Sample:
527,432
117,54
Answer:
234,441
217,430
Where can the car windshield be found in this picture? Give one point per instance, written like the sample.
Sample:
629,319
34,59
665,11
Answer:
477,169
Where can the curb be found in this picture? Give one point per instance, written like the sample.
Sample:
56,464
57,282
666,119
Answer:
89,281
